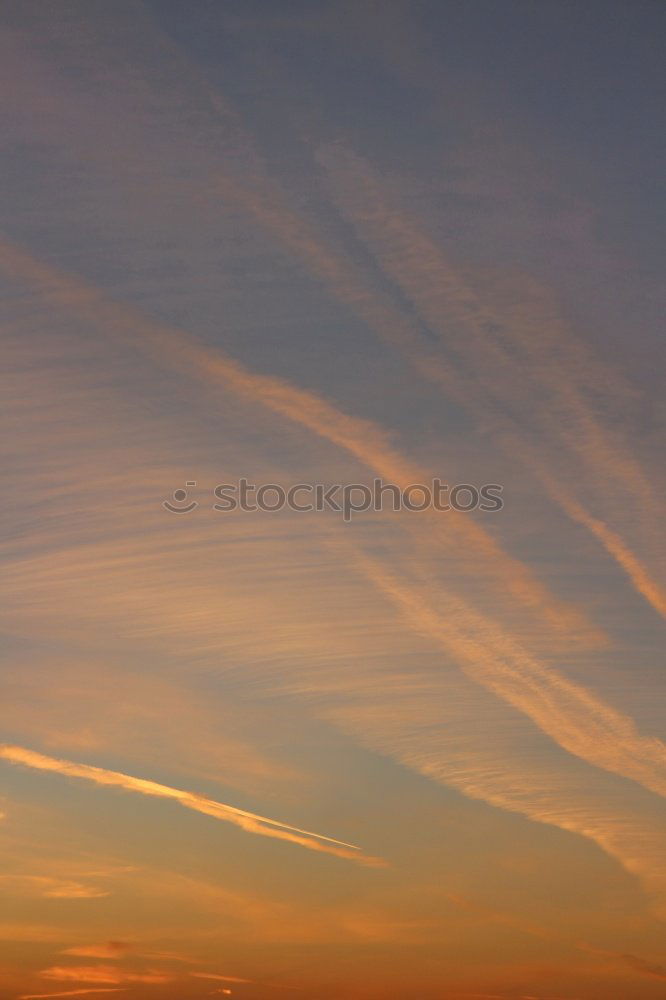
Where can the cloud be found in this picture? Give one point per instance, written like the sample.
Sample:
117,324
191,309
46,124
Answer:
618,749
451,736
223,979
238,980
103,974
112,949
66,701
574,717
123,949
473,762
462,537
68,993
248,821
361,438
54,888
526,364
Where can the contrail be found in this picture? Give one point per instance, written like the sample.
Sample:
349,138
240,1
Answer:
509,361
251,822
566,711
363,439
263,198
71,993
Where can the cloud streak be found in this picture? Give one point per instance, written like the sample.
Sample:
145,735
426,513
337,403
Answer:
54,888
250,822
513,362
516,678
219,978
363,439
103,974
112,949
69,993
572,716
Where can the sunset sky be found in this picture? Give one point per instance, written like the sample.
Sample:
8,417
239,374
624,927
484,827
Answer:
273,754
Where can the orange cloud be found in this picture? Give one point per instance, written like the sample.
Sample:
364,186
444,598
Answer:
525,359
248,821
103,974
222,979
570,714
112,949
54,888
361,438
68,993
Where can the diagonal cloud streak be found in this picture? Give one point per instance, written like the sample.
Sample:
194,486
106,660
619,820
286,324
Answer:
508,364
250,822
567,712
621,750
71,993
361,438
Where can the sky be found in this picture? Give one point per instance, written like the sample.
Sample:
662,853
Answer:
288,753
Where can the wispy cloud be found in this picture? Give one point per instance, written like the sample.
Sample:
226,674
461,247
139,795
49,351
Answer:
103,974
457,739
438,725
529,362
361,438
222,979
365,441
368,443
444,654
574,717
68,993
112,949
54,888
247,821
121,950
